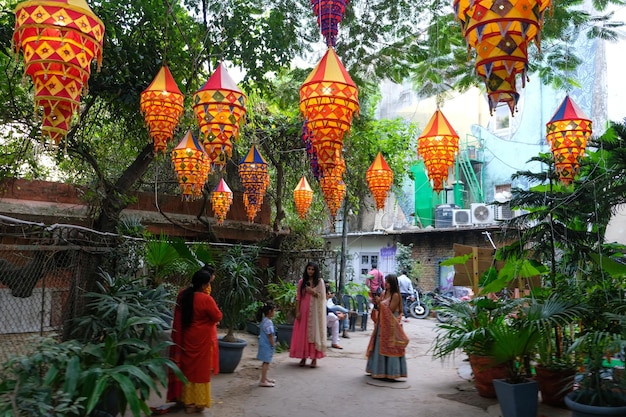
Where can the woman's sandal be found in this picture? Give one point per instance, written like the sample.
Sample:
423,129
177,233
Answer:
314,363
266,384
302,363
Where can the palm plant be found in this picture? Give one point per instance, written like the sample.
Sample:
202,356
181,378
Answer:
237,285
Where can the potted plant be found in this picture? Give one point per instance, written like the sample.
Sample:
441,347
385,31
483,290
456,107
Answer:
468,331
252,325
235,288
283,293
114,363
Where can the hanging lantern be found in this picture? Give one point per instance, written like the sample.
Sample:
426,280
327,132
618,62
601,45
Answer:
329,14
437,146
500,32
333,187
221,199
59,39
567,133
379,179
303,196
255,178
162,105
190,165
220,109
307,139
328,101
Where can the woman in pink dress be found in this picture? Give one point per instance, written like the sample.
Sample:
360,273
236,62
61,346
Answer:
309,329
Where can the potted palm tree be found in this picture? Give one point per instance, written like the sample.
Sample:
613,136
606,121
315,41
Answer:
236,286
283,293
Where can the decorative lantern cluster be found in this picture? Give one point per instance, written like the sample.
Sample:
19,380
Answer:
162,105
329,14
500,32
567,133
59,39
379,179
220,109
303,196
191,166
328,101
221,199
437,146
255,178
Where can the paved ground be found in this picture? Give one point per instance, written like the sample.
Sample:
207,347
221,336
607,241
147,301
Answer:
338,387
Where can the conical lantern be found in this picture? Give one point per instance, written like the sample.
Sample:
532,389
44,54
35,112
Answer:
221,199
329,14
379,179
567,133
59,39
303,196
255,177
220,109
437,146
500,32
333,187
162,105
328,101
190,165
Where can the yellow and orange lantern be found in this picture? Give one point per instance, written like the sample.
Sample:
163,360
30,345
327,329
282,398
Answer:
59,39
333,186
221,199
162,105
567,133
437,146
500,32
220,110
328,102
255,178
190,165
303,197
379,179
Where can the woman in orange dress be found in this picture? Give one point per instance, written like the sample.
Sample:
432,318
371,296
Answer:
194,333
308,339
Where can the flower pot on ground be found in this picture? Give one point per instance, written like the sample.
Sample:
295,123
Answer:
230,354
236,287
485,371
283,334
586,410
517,400
554,384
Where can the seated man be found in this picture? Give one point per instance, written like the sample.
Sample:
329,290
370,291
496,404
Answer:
332,322
330,305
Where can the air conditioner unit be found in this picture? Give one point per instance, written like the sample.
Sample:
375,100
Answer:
461,217
481,213
503,212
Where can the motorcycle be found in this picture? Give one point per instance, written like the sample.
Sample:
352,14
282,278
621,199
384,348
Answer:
418,308
438,300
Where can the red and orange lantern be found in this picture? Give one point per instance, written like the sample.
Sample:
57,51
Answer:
221,199
220,109
190,166
59,39
255,178
379,179
303,197
328,102
437,146
500,32
162,105
567,133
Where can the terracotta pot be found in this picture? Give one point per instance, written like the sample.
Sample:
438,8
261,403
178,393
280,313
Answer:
554,384
484,373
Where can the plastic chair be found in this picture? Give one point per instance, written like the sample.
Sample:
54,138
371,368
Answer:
350,305
362,310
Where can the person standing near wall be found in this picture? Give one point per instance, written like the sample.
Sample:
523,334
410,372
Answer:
375,281
406,291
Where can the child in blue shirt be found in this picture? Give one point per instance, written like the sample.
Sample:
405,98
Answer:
267,341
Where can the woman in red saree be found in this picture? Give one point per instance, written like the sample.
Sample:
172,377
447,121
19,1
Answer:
195,351
386,349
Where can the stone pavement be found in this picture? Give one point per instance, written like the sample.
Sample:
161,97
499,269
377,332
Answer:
338,387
